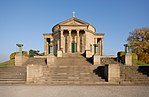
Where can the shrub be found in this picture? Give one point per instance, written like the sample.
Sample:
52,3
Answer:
134,56
12,55
121,56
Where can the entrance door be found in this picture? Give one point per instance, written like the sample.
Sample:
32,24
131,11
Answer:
74,47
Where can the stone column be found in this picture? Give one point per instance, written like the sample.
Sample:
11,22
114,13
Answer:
45,46
101,46
62,41
78,41
70,40
58,46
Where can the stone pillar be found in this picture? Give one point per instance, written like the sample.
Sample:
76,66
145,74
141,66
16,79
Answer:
128,59
78,41
34,72
112,73
45,46
62,41
58,47
70,41
101,46
20,59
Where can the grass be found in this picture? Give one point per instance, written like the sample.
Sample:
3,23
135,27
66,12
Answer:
139,63
8,63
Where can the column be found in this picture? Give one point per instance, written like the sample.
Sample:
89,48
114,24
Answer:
101,46
69,43
62,41
78,41
58,46
45,46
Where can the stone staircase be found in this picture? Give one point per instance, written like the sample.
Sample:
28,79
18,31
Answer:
134,75
71,69
12,75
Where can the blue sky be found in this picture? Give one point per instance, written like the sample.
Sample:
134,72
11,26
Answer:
25,21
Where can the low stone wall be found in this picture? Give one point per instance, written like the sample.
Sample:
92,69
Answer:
34,72
100,60
20,59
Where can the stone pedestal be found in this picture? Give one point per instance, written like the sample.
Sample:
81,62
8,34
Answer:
128,59
20,59
51,59
59,53
34,72
97,59
88,54
112,73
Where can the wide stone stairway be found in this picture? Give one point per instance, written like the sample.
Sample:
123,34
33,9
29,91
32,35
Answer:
12,75
71,69
134,75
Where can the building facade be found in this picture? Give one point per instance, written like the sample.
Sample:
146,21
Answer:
73,36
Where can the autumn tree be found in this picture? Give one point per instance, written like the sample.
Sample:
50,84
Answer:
139,43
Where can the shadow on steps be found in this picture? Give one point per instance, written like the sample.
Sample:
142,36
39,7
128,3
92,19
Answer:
100,72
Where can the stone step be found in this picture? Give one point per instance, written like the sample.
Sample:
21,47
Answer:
70,83
12,82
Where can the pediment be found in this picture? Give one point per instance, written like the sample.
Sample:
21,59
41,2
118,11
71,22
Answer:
73,21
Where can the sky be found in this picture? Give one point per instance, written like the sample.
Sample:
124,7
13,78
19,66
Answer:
25,21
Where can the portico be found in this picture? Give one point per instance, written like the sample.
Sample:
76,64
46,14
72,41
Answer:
74,36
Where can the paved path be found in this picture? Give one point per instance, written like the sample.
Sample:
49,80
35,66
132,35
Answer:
74,91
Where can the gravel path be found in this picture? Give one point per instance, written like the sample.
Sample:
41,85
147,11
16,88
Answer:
74,91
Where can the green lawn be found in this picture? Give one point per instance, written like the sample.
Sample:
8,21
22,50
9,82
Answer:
8,63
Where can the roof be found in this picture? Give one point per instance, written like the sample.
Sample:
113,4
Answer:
73,22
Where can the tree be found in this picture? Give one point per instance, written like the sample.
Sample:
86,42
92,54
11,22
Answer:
35,53
139,43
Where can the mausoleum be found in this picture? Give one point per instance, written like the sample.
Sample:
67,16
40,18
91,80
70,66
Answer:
73,36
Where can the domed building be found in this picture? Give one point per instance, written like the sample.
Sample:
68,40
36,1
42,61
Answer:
73,36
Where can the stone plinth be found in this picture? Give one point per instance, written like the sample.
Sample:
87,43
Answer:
59,53
20,59
34,72
112,73
88,54
97,59
128,59
51,59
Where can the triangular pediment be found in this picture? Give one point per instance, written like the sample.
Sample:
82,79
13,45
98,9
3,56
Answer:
73,21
